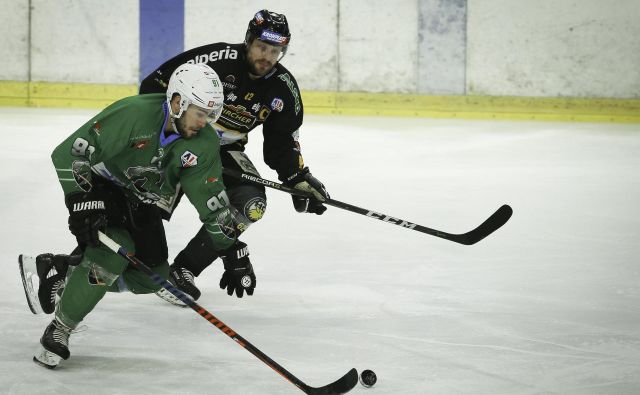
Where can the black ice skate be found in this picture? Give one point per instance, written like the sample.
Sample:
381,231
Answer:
43,279
54,345
182,279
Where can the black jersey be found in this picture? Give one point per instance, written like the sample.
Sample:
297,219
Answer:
272,101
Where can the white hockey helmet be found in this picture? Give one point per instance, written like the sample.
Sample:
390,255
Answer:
199,85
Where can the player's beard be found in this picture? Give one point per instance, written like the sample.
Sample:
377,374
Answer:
253,66
180,127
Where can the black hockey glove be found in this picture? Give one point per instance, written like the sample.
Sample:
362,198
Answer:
87,216
238,273
304,181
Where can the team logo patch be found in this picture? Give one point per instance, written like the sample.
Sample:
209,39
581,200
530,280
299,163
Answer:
189,159
259,18
277,104
255,208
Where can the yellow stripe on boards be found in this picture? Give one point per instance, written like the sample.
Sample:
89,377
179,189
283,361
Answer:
49,94
53,94
14,93
473,107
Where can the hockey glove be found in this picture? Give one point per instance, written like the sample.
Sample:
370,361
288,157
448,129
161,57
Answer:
87,216
238,273
304,181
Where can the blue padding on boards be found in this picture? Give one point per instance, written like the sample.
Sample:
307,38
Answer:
161,33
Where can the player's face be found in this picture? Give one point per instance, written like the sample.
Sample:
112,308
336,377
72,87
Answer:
192,120
262,57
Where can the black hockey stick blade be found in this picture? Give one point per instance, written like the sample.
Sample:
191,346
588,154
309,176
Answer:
493,223
340,386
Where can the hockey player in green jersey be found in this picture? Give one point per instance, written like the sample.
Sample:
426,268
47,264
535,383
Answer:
116,170
260,92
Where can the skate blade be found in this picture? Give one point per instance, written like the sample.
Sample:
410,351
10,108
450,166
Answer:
30,282
46,358
169,297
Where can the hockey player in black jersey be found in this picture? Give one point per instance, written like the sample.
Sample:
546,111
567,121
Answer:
258,90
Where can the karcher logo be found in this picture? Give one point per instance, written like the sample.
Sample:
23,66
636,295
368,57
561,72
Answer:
238,114
91,205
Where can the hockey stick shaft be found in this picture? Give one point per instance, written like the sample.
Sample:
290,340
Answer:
340,386
490,225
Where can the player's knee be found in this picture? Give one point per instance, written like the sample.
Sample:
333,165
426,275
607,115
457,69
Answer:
254,209
248,214
250,203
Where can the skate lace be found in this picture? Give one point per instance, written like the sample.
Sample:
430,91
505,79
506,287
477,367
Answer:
55,288
61,334
188,276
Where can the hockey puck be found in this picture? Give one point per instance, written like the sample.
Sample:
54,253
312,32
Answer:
368,378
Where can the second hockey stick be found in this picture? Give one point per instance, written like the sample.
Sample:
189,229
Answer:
490,225
340,386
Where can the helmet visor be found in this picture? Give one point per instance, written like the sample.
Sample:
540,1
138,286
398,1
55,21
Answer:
215,114
210,114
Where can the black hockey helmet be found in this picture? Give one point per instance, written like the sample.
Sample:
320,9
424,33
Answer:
269,27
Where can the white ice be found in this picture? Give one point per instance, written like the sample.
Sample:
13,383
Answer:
549,304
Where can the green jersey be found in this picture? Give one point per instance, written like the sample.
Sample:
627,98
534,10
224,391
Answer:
127,145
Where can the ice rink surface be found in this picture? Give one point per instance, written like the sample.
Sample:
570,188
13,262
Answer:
549,304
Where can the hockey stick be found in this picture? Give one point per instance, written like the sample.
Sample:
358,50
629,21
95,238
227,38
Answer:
490,225
340,386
